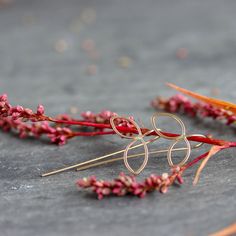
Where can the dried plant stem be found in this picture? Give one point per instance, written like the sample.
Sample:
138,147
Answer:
212,152
134,131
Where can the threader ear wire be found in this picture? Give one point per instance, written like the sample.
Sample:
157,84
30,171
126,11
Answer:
136,138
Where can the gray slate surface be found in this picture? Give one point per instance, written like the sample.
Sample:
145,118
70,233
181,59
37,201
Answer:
149,32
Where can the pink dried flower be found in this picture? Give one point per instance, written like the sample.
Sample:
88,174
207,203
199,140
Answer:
18,118
126,184
102,117
6,110
3,97
57,135
40,110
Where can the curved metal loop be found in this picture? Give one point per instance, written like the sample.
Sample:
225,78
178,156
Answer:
146,152
139,137
199,144
181,137
112,122
145,160
186,157
176,118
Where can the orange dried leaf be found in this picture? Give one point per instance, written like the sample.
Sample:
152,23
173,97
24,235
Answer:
230,230
212,101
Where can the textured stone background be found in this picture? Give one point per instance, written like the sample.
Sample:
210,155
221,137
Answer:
149,32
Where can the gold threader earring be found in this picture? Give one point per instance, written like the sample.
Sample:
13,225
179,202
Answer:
139,137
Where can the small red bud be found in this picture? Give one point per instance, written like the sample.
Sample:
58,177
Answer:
40,110
28,111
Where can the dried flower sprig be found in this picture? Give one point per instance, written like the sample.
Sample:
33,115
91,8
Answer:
63,128
128,185
180,103
19,119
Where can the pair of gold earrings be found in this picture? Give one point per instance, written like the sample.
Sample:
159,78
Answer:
140,138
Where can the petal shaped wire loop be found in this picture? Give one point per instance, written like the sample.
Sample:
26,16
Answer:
114,127
176,118
186,157
145,160
177,139
138,137
198,144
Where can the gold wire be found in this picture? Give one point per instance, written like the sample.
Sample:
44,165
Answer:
131,156
176,139
93,160
139,137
